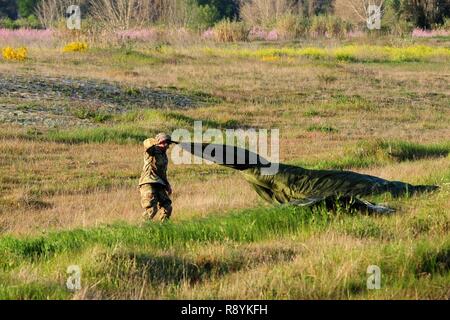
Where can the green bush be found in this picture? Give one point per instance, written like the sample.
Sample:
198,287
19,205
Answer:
7,23
392,22
224,8
31,22
27,7
446,24
230,31
203,17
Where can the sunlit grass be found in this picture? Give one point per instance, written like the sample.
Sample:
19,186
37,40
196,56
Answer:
70,196
248,226
378,152
360,53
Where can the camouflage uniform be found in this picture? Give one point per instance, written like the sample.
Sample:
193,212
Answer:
153,184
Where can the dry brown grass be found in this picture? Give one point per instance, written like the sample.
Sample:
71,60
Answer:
104,207
62,169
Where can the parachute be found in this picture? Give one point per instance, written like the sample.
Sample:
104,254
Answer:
304,187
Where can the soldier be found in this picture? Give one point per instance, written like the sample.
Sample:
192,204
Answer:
154,187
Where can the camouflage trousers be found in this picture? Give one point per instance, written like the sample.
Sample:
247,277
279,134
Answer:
154,197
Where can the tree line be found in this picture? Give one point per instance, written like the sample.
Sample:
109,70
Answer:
204,13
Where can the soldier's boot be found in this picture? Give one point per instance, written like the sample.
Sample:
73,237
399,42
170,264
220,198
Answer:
166,213
150,213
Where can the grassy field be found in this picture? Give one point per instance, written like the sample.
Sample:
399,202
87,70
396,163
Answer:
71,125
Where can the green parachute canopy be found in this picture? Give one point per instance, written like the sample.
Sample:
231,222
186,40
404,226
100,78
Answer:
304,187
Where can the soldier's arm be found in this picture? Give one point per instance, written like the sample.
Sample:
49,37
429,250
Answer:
160,171
151,151
163,176
166,181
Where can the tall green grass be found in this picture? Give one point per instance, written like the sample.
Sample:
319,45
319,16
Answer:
242,226
32,291
119,134
380,152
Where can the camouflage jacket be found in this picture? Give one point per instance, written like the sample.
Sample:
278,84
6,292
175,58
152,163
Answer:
155,167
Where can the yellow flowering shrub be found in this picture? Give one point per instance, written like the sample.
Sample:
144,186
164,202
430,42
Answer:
75,47
312,52
18,54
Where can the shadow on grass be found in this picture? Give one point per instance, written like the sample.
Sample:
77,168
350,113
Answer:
380,152
174,269
132,127
33,291
403,151
243,226
435,261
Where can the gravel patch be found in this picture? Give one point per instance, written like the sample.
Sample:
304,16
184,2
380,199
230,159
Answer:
107,98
